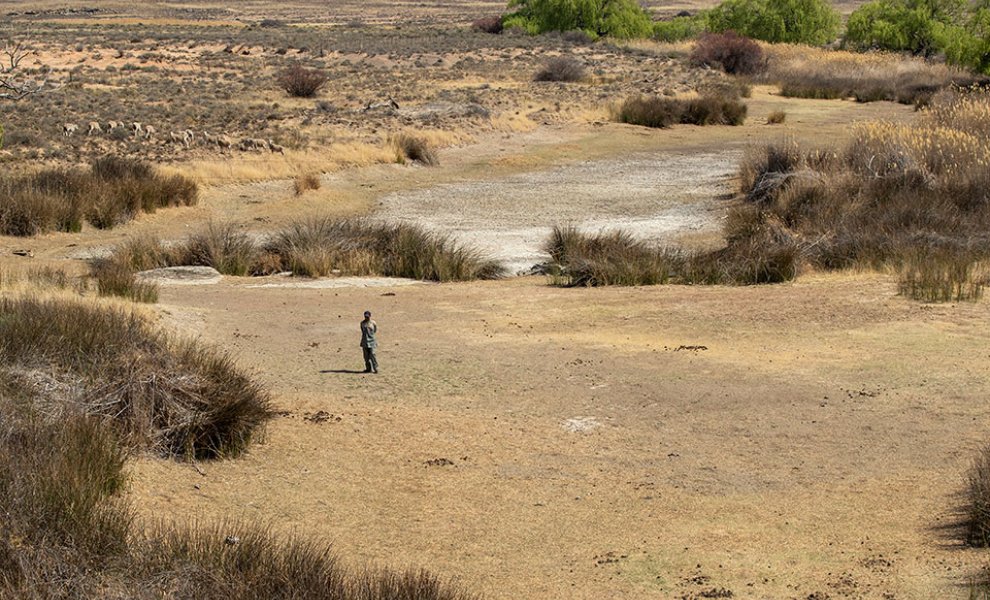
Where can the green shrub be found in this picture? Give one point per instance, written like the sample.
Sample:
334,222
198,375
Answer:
679,29
622,19
901,25
812,22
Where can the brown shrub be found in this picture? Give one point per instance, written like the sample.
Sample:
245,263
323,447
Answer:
491,25
561,68
657,111
733,53
300,82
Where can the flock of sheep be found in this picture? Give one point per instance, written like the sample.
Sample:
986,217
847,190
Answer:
186,137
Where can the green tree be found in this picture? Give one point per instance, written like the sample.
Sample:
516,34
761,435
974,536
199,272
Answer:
922,27
812,22
614,18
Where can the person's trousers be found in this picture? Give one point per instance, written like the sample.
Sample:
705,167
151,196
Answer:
370,360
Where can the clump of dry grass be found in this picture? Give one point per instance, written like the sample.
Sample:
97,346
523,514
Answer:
306,182
806,72
170,395
978,500
113,191
776,117
416,148
618,258
311,248
324,246
911,197
222,246
660,112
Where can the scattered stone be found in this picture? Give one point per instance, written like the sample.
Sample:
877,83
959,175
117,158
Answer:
581,424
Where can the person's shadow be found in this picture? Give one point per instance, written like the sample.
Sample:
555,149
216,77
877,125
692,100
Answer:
345,371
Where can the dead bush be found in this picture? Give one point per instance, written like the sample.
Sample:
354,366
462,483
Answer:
563,69
300,82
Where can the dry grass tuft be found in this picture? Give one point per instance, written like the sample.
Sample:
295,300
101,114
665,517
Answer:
416,148
113,191
306,182
776,117
618,258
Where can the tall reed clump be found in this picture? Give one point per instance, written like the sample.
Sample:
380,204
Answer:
805,72
660,112
618,258
908,197
317,247
111,192
174,396
324,246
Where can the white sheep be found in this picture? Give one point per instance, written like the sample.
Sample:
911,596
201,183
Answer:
94,127
69,129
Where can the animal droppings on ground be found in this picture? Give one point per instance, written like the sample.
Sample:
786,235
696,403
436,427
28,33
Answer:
321,417
439,462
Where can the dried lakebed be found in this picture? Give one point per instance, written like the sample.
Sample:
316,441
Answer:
658,197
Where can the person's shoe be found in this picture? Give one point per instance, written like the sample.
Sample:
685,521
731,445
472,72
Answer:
367,371
375,371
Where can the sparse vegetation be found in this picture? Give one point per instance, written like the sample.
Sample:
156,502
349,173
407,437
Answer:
657,111
561,68
113,191
733,53
300,82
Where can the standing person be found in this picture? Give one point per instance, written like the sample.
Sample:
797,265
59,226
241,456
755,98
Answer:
369,343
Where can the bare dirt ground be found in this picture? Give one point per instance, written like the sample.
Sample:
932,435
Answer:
532,442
